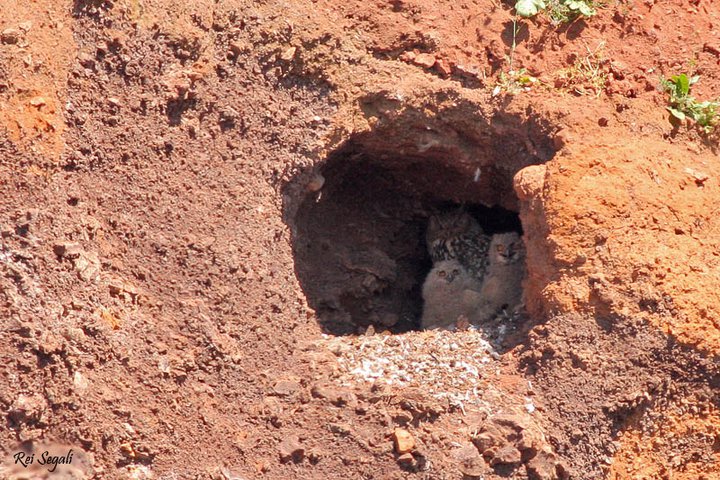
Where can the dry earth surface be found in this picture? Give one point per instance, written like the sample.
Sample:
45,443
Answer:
212,217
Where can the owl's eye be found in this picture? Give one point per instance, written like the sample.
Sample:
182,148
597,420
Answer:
455,272
442,274
500,248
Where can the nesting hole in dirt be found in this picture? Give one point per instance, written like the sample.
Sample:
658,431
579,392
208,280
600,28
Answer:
359,226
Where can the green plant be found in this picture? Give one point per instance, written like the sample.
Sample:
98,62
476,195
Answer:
587,74
683,105
559,11
514,81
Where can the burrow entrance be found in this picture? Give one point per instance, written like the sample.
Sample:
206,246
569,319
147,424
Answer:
359,240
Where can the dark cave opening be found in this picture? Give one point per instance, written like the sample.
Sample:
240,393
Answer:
358,224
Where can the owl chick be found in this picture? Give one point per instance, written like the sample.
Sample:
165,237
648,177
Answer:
449,292
502,285
458,236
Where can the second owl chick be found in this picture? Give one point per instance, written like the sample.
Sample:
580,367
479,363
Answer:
502,286
449,292
458,236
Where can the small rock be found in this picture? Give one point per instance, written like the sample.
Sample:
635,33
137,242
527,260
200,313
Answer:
530,440
123,290
505,455
80,382
484,441
425,60
468,71
406,460
561,139
699,177
402,418
28,408
108,317
408,56
138,472
237,47
74,334
87,265
291,450
546,466
443,67
340,428
50,343
529,182
86,60
10,36
230,474
68,250
288,54
618,69
512,421
404,442
164,364
337,397
128,450
285,388
470,462
38,101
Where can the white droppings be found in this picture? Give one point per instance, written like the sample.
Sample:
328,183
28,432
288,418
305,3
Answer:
447,365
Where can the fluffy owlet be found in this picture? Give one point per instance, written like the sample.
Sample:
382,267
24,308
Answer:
458,236
502,285
449,292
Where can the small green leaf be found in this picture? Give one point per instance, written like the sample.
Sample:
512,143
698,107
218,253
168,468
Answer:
586,10
682,84
677,113
529,8
527,80
581,7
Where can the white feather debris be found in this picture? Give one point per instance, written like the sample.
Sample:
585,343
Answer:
448,365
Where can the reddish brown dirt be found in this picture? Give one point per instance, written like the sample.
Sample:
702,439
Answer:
171,259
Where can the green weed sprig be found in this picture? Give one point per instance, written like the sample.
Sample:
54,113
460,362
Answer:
683,105
559,11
